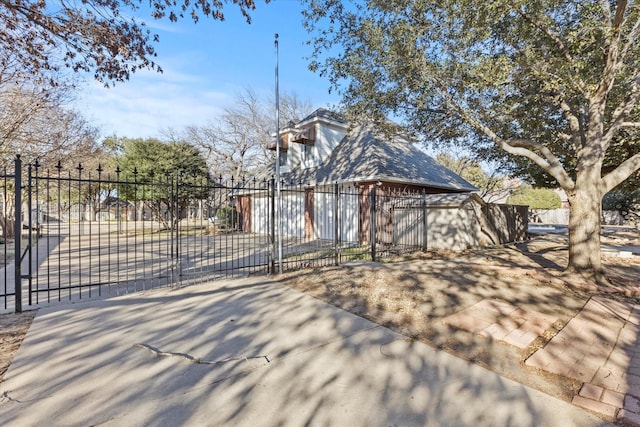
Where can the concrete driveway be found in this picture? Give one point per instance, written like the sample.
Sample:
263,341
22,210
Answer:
249,352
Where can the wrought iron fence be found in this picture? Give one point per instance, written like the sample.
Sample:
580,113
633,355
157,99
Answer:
80,234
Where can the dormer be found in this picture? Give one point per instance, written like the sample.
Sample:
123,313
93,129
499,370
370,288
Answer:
313,139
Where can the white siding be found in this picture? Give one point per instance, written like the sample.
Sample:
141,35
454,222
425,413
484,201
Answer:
325,212
324,215
261,214
408,227
350,211
328,137
453,228
292,213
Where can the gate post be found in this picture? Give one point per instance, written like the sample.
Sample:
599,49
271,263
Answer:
18,234
273,227
30,225
372,223
337,223
175,187
425,223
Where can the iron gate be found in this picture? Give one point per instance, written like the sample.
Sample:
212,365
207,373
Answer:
78,234
82,234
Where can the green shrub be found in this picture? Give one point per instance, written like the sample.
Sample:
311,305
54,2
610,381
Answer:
227,217
535,198
624,202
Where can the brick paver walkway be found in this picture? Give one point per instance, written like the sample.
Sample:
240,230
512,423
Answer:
501,321
601,348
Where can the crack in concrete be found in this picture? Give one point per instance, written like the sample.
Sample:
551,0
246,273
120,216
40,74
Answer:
197,360
7,398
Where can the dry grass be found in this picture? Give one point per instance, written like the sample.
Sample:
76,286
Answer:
413,295
13,328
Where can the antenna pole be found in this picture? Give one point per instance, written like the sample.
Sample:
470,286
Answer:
278,215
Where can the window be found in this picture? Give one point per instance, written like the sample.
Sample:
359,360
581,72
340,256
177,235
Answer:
308,155
283,158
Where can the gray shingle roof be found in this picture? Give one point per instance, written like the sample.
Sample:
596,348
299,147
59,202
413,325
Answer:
325,114
367,155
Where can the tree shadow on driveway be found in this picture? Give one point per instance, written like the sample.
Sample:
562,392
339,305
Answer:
284,357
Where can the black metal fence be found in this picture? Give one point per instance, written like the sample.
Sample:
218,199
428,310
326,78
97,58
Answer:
79,234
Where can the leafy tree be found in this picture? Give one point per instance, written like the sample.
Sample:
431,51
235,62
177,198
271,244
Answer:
626,203
535,198
554,82
471,171
227,216
98,36
168,175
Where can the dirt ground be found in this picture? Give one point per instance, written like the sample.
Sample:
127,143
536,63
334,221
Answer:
412,295
13,328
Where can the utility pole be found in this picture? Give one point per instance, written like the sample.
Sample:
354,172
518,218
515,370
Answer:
278,215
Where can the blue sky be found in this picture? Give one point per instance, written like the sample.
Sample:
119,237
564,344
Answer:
205,66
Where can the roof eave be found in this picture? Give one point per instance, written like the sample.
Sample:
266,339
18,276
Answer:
396,180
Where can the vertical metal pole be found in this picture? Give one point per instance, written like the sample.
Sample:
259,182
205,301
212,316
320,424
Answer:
5,234
337,223
18,234
38,226
59,214
176,226
135,232
372,222
30,225
99,196
119,228
424,221
278,185
272,193
81,213
118,214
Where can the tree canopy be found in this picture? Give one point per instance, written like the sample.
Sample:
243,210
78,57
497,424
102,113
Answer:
161,165
144,159
103,37
626,203
551,83
535,198
471,170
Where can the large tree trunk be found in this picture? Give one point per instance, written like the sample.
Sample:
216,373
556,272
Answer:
8,226
584,228
140,209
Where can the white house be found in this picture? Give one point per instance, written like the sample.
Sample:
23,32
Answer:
329,170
